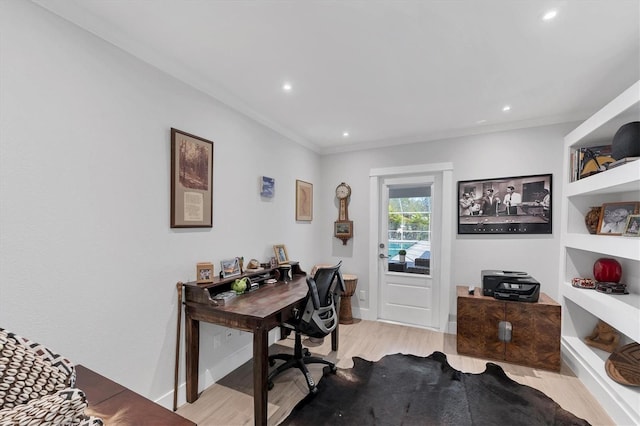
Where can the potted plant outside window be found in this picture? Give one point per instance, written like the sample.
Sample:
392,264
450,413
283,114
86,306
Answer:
402,254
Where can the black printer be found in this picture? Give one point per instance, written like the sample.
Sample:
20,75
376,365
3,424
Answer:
510,285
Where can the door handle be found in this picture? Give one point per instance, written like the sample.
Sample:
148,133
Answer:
382,256
504,331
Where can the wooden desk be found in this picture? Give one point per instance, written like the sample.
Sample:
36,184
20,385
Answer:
107,398
257,312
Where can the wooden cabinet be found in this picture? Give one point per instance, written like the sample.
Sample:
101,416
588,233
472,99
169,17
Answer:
534,329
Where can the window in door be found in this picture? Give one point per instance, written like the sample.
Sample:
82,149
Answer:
409,229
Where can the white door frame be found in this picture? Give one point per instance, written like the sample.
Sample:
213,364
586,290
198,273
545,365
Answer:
445,170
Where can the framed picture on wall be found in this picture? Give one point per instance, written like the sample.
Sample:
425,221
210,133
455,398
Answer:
304,200
267,186
191,181
506,205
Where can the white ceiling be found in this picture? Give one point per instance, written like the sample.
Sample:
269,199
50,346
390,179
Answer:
388,72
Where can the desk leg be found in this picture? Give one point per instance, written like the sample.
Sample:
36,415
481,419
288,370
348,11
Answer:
260,371
192,352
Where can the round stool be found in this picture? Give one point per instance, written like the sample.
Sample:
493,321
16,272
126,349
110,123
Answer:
350,283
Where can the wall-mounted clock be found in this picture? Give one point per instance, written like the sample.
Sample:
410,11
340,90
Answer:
343,228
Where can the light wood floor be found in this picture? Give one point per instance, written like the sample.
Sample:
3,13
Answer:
230,402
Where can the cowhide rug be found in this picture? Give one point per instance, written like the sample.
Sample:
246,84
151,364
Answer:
412,390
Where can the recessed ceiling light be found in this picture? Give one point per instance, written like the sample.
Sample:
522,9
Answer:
550,15
345,134
506,108
287,87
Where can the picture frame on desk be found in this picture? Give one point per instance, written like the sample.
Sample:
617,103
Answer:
204,272
282,257
613,217
191,181
230,267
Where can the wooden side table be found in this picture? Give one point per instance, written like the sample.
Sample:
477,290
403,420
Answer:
350,283
534,329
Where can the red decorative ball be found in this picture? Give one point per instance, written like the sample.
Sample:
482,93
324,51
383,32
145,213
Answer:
607,270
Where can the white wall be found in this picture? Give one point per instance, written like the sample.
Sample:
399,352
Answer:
511,153
88,262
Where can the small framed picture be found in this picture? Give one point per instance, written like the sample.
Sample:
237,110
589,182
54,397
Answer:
281,254
230,267
304,201
204,272
632,228
613,217
267,188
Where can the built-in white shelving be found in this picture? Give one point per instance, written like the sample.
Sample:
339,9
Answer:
583,308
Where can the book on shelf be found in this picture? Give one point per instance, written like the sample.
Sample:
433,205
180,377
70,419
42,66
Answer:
622,161
592,160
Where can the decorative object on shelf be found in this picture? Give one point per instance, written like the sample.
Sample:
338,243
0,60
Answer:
343,227
230,267
501,211
285,273
224,297
613,217
632,228
583,283
281,254
267,186
592,218
304,201
253,264
611,288
626,141
401,255
607,270
204,272
623,365
240,285
603,337
191,181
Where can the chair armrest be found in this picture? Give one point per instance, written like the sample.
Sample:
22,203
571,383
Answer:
63,407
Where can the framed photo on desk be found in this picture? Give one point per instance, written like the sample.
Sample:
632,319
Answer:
281,254
230,267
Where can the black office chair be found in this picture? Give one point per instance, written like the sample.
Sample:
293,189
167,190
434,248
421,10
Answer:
318,319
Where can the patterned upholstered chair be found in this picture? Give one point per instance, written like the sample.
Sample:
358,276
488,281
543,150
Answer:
37,386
